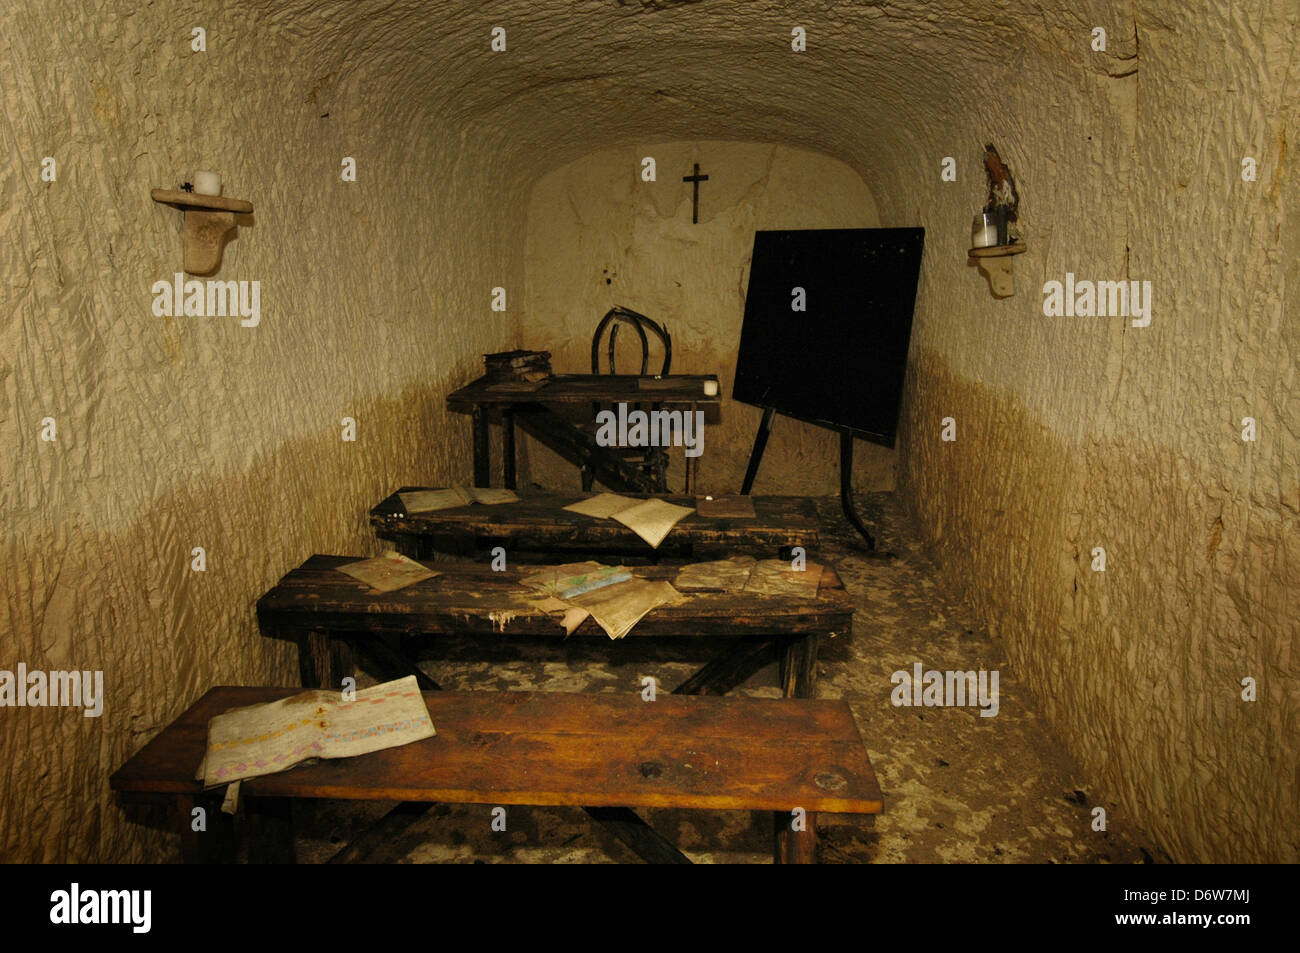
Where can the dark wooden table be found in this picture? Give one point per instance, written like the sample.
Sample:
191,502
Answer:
514,400
598,751
328,613
539,523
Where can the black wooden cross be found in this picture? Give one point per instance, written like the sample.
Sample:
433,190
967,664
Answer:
695,202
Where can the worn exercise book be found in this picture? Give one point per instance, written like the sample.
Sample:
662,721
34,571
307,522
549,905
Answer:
776,577
652,520
721,575
612,595
428,501
389,572
602,505
263,739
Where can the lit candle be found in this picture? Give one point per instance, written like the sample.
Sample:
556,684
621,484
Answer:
710,388
207,183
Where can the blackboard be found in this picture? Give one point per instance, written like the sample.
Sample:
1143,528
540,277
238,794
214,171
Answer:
839,362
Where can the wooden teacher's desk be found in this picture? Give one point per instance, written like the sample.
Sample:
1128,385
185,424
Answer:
525,402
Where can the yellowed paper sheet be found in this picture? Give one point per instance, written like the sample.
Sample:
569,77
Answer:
652,520
619,607
263,739
427,501
723,575
389,572
774,577
489,496
602,505
555,580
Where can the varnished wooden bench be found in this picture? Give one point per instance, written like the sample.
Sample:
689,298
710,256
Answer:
328,613
538,523
607,752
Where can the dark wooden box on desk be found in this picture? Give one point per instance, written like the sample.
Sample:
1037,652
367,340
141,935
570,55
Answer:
539,523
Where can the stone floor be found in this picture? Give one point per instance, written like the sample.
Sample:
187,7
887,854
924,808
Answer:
958,787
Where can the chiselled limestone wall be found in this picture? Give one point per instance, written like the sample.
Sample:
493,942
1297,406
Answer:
1075,433
175,433
600,235
1072,433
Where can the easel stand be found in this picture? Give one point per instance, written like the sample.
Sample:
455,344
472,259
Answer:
846,478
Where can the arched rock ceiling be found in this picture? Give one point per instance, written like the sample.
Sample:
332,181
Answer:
878,86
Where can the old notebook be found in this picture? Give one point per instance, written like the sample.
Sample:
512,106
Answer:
428,501
389,572
263,739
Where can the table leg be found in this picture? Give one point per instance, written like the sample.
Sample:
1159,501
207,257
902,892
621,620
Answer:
215,843
508,448
692,463
799,666
482,458
323,660
794,847
270,830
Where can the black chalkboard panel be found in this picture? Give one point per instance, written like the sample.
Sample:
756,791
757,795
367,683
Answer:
840,362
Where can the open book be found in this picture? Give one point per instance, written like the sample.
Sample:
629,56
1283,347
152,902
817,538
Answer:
651,519
263,739
426,501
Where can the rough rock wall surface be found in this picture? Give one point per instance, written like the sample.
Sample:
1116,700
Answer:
1072,433
599,235
174,433
1082,432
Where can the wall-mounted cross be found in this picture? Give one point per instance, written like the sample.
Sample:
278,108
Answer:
695,179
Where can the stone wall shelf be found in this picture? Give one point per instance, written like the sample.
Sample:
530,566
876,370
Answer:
995,262
209,219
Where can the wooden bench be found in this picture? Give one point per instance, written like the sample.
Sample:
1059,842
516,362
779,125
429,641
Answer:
328,613
538,523
609,753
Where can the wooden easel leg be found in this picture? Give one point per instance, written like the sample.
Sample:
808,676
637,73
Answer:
799,666
794,847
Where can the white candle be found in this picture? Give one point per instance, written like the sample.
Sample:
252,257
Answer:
984,232
207,183
710,388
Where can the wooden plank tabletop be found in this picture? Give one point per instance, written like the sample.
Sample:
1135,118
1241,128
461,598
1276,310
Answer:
540,519
550,748
586,388
467,600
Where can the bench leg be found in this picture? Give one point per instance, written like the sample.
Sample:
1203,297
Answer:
794,847
215,843
482,460
270,830
799,666
727,671
323,660
645,841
